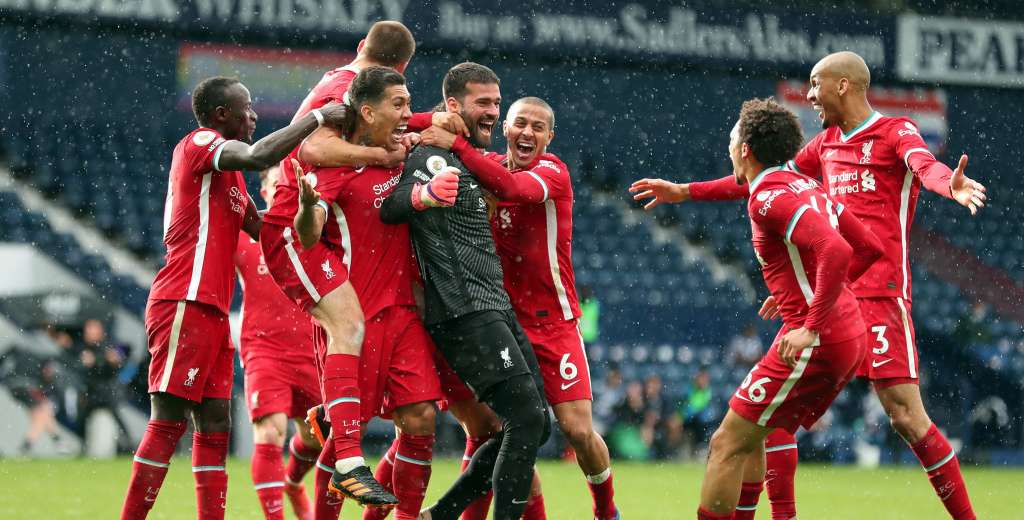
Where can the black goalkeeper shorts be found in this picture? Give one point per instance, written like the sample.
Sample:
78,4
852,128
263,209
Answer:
485,348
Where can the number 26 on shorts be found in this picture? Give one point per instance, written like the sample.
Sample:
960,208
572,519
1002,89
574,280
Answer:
755,391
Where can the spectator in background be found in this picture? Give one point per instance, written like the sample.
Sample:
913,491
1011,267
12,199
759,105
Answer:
975,327
632,431
695,414
609,393
31,380
746,349
100,362
590,318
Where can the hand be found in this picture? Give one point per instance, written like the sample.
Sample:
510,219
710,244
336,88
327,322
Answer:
410,139
794,342
308,196
451,122
442,190
661,191
393,157
966,191
336,115
769,309
439,137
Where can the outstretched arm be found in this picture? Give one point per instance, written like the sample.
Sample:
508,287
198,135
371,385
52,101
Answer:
310,218
236,155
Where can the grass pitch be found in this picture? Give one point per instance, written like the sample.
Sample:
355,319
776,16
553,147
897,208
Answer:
95,489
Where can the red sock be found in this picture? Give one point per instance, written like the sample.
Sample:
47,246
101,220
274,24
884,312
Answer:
385,475
535,508
603,492
780,461
705,515
301,459
412,473
479,508
268,479
209,453
341,390
150,466
327,505
747,507
939,460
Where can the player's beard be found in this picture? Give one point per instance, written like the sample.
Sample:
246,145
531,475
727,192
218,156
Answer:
476,139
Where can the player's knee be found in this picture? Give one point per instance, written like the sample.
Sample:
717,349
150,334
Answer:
347,334
725,445
417,419
908,424
578,433
264,431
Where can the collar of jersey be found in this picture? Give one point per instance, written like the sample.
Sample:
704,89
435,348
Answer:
875,116
757,180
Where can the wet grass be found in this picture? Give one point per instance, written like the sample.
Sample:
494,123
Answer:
94,489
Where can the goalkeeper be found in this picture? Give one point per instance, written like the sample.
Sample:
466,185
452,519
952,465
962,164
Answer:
469,316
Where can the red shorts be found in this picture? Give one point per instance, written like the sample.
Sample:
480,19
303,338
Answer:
275,386
774,395
305,275
190,345
562,359
396,366
892,350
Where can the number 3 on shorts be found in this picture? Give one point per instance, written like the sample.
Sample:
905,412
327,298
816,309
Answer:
567,369
883,344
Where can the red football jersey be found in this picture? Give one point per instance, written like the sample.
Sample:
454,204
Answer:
203,214
869,171
332,87
273,327
534,242
378,256
779,200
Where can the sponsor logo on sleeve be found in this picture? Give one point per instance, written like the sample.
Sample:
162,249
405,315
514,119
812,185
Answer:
766,198
203,138
909,129
421,176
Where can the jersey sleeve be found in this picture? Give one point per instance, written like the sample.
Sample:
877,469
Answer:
548,179
808,159
914,153
777,210
718,189
421,121
813,231
202,151
397,207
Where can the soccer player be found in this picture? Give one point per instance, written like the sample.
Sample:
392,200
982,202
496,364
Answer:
280,377
806,246
875,165
317,278
532,229
187,314
468,314
472,93
397,375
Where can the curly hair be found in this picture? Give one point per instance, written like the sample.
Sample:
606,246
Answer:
770,130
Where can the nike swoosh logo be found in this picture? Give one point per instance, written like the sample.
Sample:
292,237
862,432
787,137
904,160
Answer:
876,364
350,432
148,499
568,386
514,501
472,186
273,510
